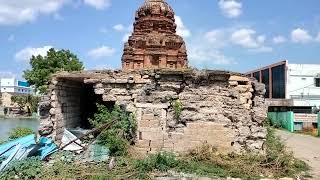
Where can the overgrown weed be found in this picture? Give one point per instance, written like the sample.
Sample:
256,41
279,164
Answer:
30,168
20,132
120,135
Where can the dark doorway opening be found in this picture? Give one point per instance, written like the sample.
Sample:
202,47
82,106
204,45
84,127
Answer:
155,60
89,101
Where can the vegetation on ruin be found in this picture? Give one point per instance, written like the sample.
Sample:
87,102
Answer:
29,102
122,132
30,168
20,132
2,141
177,108
42,67
202,161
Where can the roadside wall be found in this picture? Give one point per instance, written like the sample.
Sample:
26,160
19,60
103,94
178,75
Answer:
224,109
282,119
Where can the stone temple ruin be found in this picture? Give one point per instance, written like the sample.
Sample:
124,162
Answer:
223,109
154,42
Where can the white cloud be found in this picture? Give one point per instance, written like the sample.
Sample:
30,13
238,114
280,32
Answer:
126,37
318,37
300,36
57,17
262,49
128,31
7,74
244,37
26,53
216,37
181,29
279,39
119,27
14,12
261,39
247,39
205,55
101,52
11,38
205,49
103,67
230,8
130,28
103,30
98,4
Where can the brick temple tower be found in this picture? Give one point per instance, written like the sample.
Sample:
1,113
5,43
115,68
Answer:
154,42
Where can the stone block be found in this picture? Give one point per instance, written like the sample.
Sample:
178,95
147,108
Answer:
99,91
109,81
148,117
150,105
92,81
149,123
109,98
152,135
239,78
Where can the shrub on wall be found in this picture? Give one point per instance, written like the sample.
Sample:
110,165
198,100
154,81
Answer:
177,108
121,134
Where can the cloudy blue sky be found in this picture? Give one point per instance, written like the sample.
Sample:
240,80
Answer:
236,35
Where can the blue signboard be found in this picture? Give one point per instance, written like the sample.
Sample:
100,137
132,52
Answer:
23,84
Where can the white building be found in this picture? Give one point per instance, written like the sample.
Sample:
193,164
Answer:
14,86
303,85
292,86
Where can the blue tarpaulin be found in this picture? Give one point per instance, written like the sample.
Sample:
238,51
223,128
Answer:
25,147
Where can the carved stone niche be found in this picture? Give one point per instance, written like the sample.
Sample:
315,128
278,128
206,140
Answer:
155,60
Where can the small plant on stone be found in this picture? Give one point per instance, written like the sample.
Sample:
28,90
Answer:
177,108
122,132
20,132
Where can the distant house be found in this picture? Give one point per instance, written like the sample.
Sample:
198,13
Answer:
295,86
292,92
12,86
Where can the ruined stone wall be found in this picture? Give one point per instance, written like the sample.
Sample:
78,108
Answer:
224,109
65,109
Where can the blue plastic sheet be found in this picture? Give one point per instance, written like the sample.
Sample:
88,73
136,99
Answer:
24,147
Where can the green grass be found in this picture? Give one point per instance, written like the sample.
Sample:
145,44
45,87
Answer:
20,132
130,168
202,161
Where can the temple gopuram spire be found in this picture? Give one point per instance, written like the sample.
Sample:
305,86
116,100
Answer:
154,42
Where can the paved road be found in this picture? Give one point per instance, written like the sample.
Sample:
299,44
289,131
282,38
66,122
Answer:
304,147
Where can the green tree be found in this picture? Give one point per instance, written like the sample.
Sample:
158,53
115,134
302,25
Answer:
42,67
21,101
30,102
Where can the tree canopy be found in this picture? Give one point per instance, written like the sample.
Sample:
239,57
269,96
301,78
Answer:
42,67
28,102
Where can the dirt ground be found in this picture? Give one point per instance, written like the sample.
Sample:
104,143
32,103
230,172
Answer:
304,147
